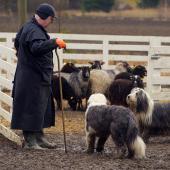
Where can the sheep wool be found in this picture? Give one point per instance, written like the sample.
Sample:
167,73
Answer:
99,81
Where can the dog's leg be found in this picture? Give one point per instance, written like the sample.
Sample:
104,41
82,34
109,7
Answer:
101,142
146,135
131,152
90,140
118,139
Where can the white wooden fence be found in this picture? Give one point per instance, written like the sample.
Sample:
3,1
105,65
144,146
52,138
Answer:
152,51
7,69
158,79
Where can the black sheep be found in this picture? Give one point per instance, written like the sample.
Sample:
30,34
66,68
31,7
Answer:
96,64
120,88
69,68
68,93
140,71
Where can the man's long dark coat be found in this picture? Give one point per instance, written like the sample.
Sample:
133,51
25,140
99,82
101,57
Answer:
33,106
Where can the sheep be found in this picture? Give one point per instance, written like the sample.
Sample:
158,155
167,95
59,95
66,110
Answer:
123,84
140,71
102,120
120,88
129,76
69,68
96,64
79,82
100,80
68,93
74,87
123,66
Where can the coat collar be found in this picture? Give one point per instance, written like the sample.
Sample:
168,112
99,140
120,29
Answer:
33,20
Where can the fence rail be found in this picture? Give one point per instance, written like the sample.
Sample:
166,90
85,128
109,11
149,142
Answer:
158,79
152,51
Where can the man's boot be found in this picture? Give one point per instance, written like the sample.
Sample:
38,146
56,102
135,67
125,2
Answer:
30,140
42,141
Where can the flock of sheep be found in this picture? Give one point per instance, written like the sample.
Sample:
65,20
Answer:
79,83
116,105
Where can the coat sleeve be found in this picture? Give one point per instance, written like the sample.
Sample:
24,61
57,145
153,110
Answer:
16,41
38,43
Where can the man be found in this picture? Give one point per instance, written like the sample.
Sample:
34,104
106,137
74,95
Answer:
33,107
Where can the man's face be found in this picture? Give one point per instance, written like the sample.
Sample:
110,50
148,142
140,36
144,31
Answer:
48,21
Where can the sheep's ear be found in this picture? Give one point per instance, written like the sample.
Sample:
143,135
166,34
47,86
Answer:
102,62
91,62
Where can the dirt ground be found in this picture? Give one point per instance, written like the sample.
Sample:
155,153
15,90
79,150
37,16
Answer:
14,157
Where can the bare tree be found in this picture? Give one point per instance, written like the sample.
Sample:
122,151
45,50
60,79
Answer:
60,6
22,11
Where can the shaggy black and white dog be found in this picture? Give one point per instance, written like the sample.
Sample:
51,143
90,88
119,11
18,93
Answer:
102,120
153,118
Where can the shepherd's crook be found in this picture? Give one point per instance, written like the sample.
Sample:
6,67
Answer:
61,97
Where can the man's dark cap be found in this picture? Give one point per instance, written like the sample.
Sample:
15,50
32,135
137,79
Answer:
45,10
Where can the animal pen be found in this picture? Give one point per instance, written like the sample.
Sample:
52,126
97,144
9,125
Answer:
152,51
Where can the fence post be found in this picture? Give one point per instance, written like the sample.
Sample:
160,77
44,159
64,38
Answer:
154,41
106,52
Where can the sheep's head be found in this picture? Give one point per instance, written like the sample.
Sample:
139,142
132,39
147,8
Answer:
140,71
137,81
97,99
123,66
85,73
69,68
96,64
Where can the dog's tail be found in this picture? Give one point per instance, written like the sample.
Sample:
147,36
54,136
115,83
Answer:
135,143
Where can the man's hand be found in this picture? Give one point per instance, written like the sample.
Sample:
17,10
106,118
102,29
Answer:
60,43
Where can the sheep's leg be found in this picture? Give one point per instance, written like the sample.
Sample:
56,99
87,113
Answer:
59,104
80,104
90,140
86,103
100,143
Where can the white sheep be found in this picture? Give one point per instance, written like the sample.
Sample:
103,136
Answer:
100,80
